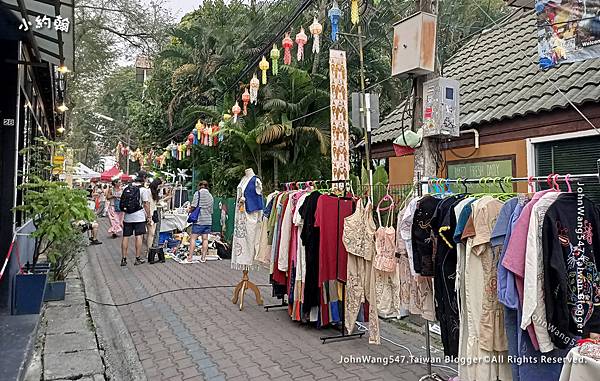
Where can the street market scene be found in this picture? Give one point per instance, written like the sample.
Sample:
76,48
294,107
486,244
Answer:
300,190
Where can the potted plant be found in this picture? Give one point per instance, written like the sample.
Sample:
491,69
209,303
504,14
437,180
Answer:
53,208
63,256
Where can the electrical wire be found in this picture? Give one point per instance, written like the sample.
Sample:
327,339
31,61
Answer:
165,292
364,328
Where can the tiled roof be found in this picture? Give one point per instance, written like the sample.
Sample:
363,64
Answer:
500,78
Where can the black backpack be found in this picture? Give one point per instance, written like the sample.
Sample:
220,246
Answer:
130,200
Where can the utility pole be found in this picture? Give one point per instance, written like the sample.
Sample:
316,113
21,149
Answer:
425,164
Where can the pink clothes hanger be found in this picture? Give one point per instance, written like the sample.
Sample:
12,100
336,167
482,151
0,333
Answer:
568,181
556,187
531,184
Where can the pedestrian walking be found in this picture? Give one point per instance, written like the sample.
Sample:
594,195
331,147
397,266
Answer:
105,190
135,201
203,200
100,201
151,226
115,215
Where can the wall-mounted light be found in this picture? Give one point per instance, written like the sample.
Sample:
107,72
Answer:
63,107
63,69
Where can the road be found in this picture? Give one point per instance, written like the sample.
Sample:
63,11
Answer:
201,335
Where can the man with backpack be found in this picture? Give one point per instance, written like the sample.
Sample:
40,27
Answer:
135,203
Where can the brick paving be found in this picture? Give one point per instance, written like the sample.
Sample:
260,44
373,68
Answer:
201,335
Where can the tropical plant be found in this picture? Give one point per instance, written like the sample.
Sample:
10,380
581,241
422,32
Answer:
53,208
65,253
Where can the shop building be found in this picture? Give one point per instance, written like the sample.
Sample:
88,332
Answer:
524,125
31,89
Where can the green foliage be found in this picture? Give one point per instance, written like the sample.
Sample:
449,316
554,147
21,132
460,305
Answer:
65,253
53,207
285,136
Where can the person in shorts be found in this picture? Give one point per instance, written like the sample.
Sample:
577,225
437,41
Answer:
204,200
135,223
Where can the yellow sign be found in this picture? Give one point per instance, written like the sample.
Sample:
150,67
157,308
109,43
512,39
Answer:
58,160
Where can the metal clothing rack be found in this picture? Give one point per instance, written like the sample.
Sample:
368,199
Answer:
550,180
343,335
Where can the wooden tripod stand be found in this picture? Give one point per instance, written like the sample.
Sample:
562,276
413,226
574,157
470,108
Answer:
240,291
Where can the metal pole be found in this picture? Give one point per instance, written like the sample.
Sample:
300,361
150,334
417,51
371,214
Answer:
363,101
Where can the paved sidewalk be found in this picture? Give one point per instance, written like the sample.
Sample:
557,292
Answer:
66,347
201,335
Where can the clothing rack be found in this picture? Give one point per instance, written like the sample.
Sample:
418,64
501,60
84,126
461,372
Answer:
297,185
551,180
343,335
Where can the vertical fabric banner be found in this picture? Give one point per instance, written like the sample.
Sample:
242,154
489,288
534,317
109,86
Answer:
338,92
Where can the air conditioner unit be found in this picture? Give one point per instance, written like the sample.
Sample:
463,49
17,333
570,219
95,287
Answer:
414,45
441,108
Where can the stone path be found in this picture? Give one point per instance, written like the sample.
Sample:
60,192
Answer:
66,348
201,335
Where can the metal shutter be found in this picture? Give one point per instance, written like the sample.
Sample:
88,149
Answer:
576,156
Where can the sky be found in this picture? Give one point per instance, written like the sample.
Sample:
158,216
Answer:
181,7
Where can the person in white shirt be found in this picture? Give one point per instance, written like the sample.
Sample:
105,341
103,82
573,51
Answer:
136,222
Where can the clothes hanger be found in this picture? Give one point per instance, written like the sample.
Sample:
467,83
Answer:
556,184
567,177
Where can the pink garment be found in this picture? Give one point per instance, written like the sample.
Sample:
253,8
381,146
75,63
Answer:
116,220
514,259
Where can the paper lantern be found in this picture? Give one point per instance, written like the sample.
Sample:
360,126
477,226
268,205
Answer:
301,40
181,149
209,140
254,85
354,12
316,29
334,16
173,149
190,141
195,133
287,49
245,100
264,66
236,109
275,54
220,128
226,117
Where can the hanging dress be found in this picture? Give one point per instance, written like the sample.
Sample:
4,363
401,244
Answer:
358,239
387,272
246,234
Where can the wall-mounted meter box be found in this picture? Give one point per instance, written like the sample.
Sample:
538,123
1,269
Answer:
441,108
414,45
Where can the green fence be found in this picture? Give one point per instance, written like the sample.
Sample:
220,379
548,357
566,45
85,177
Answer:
224,217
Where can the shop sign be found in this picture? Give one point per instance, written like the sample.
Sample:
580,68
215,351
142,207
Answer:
478,170
567,32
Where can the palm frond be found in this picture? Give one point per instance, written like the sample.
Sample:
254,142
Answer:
323,139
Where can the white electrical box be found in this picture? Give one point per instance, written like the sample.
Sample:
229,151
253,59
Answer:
414,45
441,108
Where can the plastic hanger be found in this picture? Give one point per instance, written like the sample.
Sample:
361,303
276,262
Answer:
531,184
555,184
568,181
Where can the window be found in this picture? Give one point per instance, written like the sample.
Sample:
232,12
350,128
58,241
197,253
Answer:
576,156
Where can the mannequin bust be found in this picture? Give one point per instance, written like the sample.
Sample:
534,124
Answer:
250,192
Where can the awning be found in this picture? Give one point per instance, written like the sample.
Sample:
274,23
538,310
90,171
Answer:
84,172
111,174
47,22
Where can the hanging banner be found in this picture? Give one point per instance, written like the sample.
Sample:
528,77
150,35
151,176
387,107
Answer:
568,31
338,92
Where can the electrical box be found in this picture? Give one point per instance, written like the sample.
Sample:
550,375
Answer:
414,45
441,108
